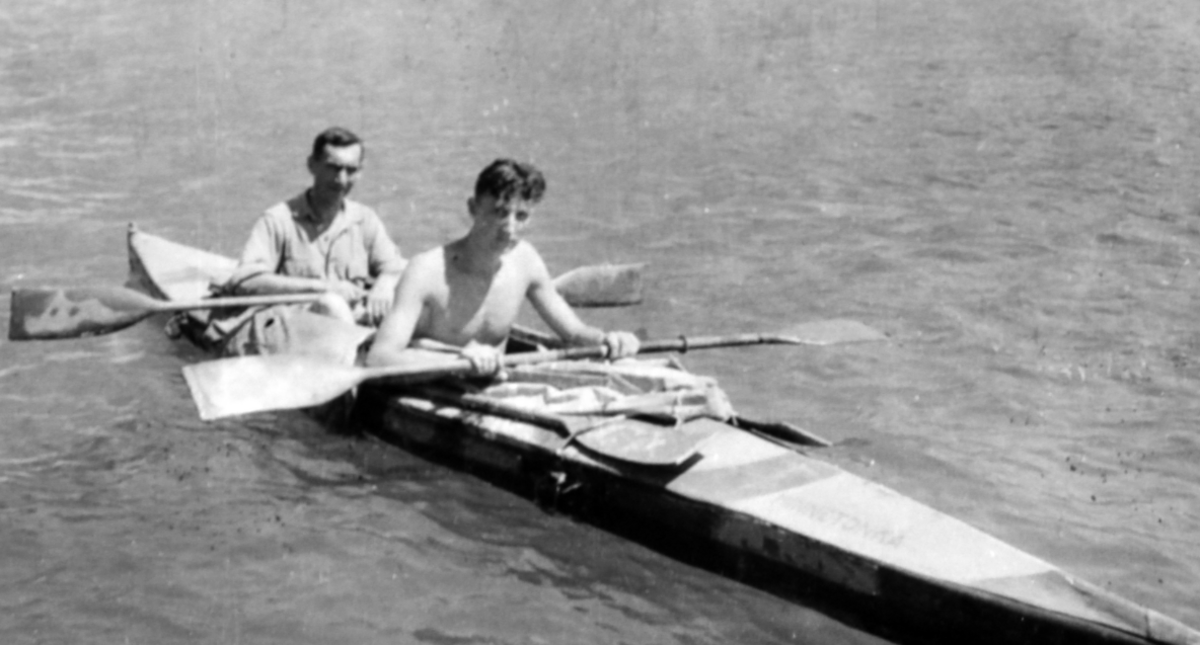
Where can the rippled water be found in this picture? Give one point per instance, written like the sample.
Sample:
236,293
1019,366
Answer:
1005,188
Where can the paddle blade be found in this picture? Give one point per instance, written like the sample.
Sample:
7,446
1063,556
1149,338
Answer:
41,314
647,444
609,285
247,384
832,332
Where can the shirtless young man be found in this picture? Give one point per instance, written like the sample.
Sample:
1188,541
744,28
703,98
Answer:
468,292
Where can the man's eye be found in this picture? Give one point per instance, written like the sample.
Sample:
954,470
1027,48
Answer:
522,216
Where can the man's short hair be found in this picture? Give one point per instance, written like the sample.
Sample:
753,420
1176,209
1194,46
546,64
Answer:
505,179
336,137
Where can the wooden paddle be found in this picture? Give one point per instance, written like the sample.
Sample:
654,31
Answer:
247,384
43,314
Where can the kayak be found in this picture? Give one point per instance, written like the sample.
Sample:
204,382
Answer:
749,499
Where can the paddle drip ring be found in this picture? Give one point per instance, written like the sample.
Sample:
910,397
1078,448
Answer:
683,339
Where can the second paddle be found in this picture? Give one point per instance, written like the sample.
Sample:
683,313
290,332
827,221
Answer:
247,384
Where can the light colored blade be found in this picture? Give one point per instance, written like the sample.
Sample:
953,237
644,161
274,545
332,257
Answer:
833,332
42,314
247,384
610,285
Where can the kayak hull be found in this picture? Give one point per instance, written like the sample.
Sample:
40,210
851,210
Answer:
638,502
749,506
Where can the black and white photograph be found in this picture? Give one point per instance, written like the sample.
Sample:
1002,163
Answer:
824,322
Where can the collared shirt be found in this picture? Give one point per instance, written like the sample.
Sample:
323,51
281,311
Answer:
285,241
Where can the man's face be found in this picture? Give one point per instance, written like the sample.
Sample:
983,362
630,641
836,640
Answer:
502,218
336,170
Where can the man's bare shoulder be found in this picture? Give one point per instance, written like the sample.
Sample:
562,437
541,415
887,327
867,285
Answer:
528,260
427,267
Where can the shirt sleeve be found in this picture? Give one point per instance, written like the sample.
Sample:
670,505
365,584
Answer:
260,254
383,256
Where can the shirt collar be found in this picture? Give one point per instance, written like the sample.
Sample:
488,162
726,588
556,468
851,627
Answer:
303,210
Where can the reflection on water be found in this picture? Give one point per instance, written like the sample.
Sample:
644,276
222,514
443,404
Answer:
1004,188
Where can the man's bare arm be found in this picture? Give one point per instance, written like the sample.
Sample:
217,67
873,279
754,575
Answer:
559,315
553,308
396,331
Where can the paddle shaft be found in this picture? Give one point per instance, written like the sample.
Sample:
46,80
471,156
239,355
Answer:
248,384
405,374
87,311
236,301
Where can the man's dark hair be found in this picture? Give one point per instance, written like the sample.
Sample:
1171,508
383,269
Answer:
505,179
336,137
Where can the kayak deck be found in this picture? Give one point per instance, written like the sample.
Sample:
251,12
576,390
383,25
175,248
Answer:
797,514
768,506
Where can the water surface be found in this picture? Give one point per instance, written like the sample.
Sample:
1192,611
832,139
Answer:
1004,188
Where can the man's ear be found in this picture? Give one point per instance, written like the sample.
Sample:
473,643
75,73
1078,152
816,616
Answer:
311,164
471,206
